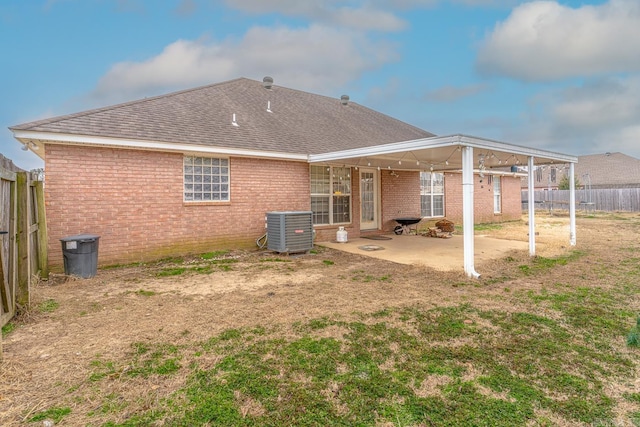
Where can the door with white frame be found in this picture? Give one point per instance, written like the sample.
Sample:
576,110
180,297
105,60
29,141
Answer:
369,193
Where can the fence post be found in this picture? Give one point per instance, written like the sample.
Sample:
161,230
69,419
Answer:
43,254
23,270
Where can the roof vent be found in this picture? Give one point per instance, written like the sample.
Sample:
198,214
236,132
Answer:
267,82
344,99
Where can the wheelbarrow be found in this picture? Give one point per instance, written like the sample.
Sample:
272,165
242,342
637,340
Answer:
405,224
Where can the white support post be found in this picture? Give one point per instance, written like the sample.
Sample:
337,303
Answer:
532,208
572,205
467,212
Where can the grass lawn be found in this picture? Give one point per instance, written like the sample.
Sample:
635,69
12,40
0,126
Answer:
546,341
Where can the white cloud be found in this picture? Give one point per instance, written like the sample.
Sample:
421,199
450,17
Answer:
601,115
367,19
627,141
314,58
410,4
544,40
601,103
379,15
361,16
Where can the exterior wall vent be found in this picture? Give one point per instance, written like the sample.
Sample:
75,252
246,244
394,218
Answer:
290,232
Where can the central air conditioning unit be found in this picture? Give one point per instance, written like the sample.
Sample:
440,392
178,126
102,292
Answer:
290,232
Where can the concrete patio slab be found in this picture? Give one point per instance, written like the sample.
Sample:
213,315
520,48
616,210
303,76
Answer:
437,253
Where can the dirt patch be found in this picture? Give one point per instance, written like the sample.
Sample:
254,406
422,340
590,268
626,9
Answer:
100,318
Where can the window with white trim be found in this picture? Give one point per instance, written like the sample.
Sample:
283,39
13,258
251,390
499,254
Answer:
206,179
330,194
431,194
497,194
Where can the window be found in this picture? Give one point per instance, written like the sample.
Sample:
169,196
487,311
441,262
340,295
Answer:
432,194
330,195
206,179
497,194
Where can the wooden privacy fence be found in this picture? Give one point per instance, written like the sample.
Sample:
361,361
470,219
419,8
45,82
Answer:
23,249
600,199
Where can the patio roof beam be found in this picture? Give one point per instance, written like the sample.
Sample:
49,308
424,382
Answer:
441,142
381,150
516,149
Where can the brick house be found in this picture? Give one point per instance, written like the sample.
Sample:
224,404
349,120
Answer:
198,169
606,170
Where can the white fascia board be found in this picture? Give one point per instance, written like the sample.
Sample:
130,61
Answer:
378,150
439,142
515,149
56,138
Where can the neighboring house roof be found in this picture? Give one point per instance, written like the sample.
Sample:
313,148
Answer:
7,164
608,170
612,170
299,122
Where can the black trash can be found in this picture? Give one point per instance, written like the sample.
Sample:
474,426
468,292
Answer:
80,253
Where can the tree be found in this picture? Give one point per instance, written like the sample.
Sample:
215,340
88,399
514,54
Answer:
564,182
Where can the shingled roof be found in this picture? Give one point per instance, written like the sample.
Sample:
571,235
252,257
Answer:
606,170
298,122
609,170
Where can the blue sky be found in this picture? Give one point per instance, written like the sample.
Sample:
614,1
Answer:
557,75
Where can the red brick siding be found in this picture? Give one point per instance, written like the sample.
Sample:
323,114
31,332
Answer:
133,200
511,199
400,197
482,199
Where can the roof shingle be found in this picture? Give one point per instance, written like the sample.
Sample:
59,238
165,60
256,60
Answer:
300,122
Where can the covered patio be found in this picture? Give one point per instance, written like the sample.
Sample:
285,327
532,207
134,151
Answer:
468,155
439,254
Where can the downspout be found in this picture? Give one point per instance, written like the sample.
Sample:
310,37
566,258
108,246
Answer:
572,206
467,212
532,207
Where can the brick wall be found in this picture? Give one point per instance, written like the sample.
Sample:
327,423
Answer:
511,198
133,200
483,199
400,197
